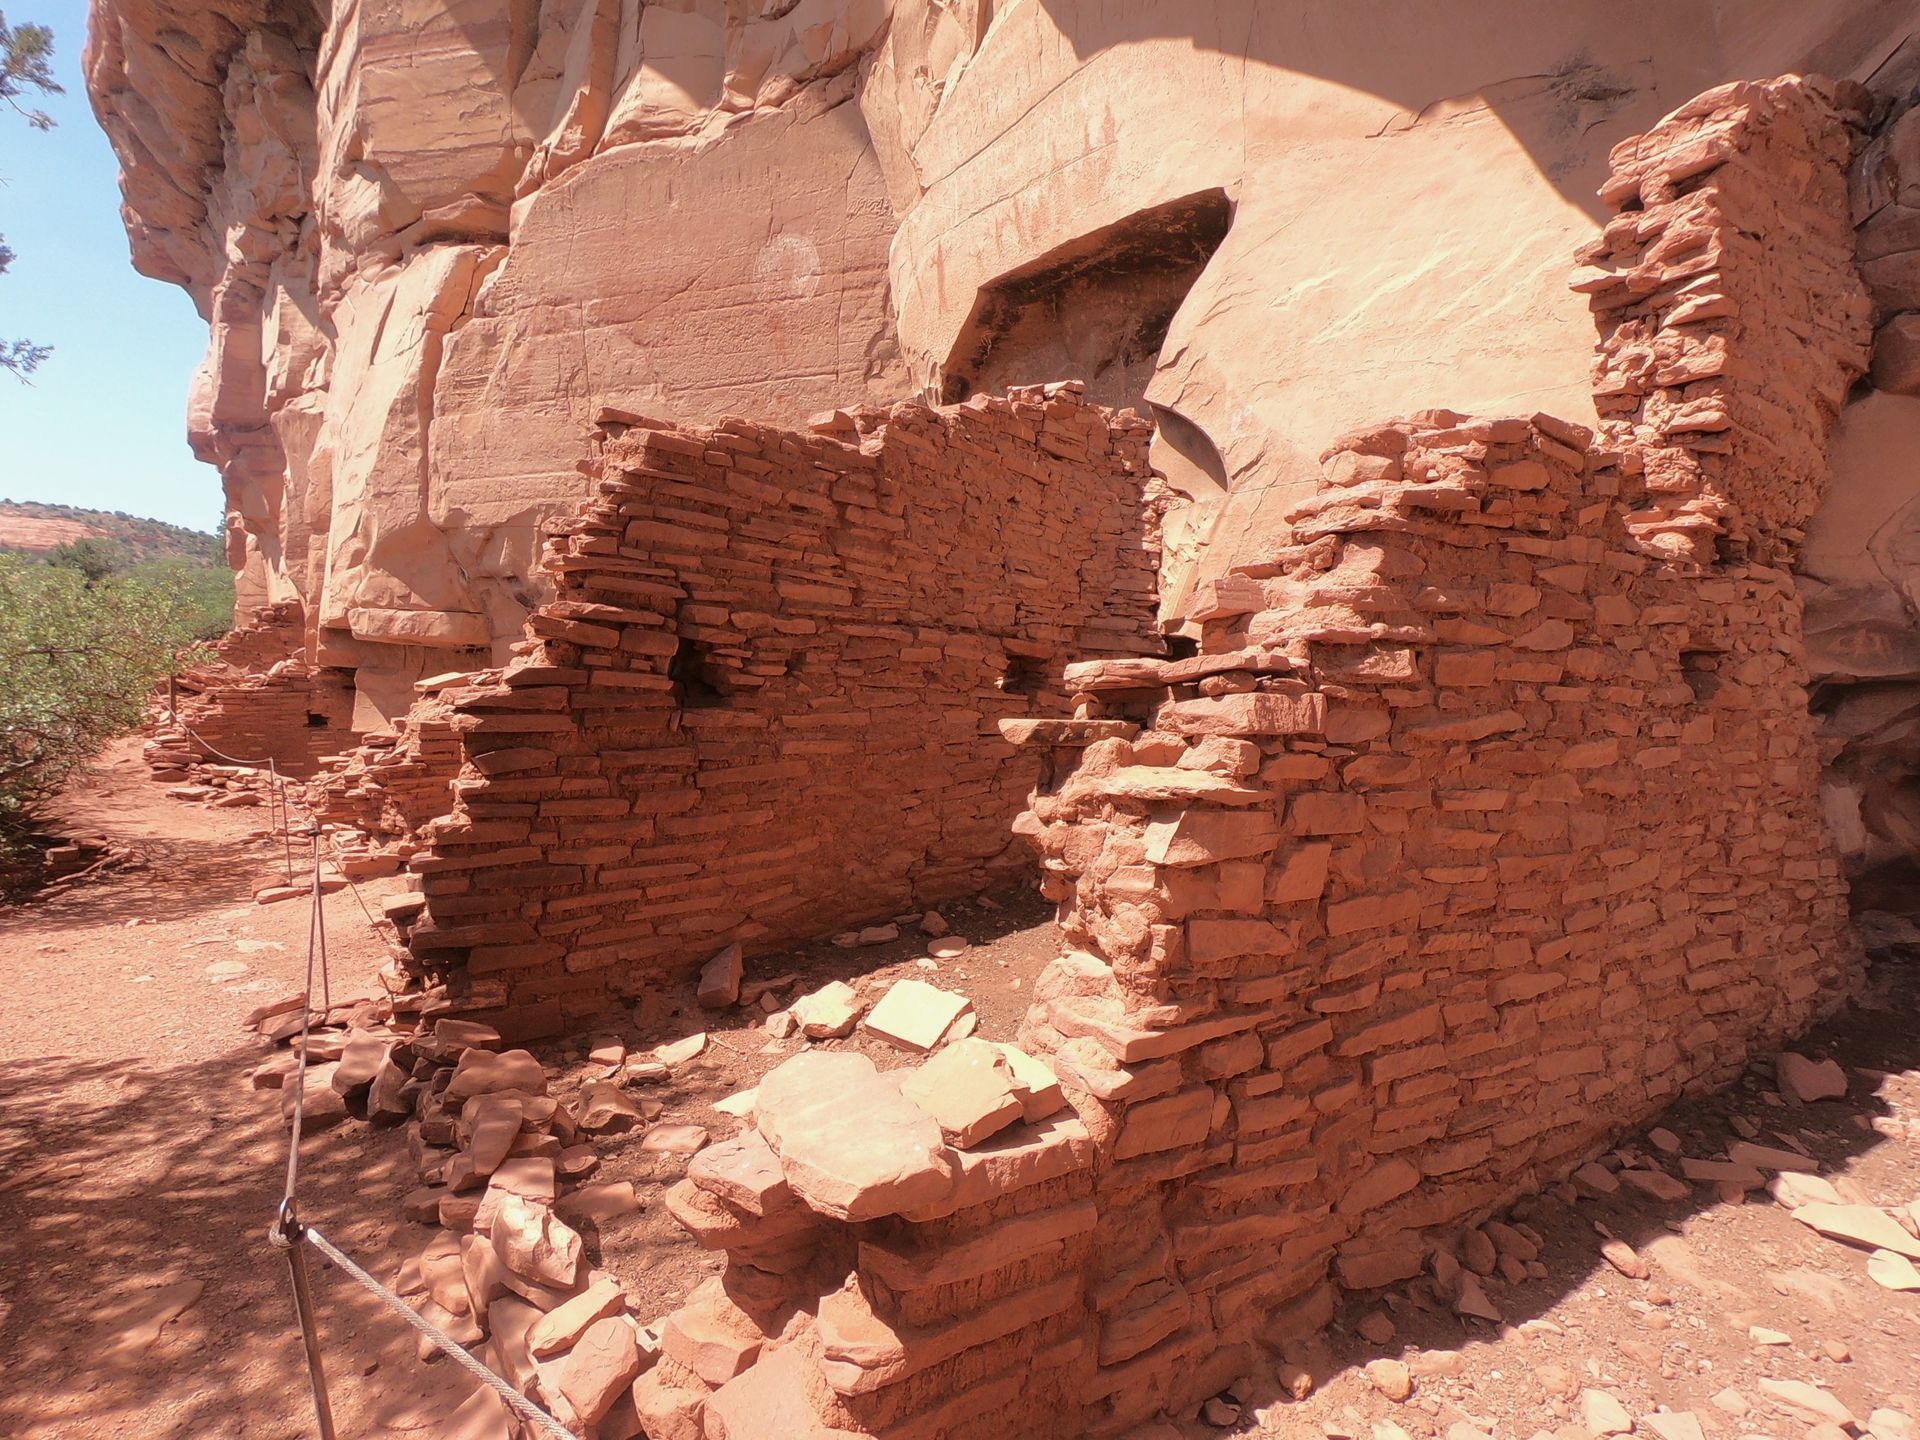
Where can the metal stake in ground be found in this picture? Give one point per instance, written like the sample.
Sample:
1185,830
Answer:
287,1233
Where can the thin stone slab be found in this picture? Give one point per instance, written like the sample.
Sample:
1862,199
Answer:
968,1089
482,1072
1805,1081
1863,1225
1769,1157
1892,1271
720,979
744,1172
914,1015
1034,1082
552,1334
600,1367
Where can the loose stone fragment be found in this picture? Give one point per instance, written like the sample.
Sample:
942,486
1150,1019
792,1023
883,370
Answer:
744,1172
597,1204
558,1331
1596,1179
720,979
1675,1425
674,1139
607,1109
1719,1172
1768,1157
828,1012
915,1015
893,1159
533,1243
607,1050
1862,1225
1390,1378
1794,1190
1656,1183
968,1088
1376,1327
1601,1414
1893,1271
481,1072
602,1365
495,1125
1805,1081
1809,1402
1621,1257
1472,1300
679,1052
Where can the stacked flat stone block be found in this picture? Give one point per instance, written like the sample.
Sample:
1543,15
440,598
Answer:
377,798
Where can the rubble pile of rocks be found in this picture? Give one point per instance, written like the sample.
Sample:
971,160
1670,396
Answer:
763,699
378,797
506,1180
507,1170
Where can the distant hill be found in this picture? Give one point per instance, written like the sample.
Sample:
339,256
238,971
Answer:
35,528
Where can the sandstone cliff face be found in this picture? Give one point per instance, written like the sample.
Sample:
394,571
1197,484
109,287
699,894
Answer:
436,241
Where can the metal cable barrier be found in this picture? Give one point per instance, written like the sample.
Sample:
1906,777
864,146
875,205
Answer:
290,1234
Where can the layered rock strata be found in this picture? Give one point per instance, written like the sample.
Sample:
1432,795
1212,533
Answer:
763,703
431,240
1856,568
1482,824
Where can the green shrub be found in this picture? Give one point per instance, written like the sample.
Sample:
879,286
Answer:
78,661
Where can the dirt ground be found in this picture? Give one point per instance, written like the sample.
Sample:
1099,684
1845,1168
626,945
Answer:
139,1171
135,1158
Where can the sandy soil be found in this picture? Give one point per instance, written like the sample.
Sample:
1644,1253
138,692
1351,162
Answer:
137,1161
135,1157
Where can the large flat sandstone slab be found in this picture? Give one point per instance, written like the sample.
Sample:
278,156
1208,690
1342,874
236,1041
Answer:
849,1144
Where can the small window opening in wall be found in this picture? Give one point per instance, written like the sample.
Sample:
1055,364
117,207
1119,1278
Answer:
1023,676
1701,670
316,722
1182,647
692,676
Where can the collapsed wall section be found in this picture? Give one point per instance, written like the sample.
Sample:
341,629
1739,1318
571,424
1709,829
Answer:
1483,824
762,705
255,700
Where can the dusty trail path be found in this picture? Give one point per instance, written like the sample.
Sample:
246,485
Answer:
139,1169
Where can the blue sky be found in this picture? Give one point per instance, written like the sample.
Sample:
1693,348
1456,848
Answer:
104,423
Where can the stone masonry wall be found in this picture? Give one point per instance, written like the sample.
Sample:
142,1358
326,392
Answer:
258,700
762,706
1482,824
